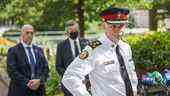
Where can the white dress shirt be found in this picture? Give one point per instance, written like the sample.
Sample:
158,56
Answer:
103,68
72,45
26,51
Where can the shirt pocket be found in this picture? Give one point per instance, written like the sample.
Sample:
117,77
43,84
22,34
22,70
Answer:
108,66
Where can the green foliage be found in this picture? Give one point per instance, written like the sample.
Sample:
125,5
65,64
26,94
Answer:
150,49
3,50
23,11
54,13
53,81
2,64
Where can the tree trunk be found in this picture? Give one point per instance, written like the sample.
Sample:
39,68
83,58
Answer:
152,19
80,13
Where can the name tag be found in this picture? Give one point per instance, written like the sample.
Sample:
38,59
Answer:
109,62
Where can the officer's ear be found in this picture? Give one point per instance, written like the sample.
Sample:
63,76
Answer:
104,24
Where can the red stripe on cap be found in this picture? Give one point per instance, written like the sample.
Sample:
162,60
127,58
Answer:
114,17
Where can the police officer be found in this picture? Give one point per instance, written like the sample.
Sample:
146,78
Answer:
108,61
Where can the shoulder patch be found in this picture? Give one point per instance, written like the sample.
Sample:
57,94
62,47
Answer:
94,44
84,54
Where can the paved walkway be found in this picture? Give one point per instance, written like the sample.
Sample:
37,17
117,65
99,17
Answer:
3,84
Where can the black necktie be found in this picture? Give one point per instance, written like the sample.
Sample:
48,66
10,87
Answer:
124,74
32,62
76,48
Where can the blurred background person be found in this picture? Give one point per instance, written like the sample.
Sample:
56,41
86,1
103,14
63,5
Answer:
69,49
27,66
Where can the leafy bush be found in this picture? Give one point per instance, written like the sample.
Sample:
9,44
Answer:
150,49
53,82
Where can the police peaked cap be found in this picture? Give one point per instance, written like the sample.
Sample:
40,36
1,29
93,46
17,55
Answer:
115,15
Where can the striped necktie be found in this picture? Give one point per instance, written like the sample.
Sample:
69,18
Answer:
76,48
31,61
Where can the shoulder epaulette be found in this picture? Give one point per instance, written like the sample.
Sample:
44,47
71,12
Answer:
94,44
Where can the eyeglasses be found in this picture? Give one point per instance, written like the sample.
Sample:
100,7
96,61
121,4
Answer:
29,32
71,24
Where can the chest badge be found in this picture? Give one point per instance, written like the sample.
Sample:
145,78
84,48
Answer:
83,55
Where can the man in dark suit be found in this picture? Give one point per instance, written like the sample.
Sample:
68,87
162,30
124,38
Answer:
68,49
27,66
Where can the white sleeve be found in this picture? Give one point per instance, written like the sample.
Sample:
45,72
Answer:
133,75
76,72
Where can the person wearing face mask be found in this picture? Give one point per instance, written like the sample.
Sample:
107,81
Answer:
107,61
69,49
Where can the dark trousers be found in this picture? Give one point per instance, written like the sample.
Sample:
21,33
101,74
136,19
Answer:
32,93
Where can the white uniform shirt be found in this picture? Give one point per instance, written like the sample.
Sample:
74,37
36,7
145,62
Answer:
103,68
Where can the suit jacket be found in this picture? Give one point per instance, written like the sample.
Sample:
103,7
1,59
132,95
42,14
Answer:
64,54
19,71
